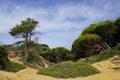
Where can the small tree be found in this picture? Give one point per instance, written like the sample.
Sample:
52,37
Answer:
25,30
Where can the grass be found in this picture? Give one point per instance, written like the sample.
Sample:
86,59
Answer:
15,67
69,69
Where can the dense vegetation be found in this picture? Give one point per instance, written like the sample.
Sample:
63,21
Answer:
87,45
15,67
97,38
5,64
69,69
104,55
3,58
61,54
55,55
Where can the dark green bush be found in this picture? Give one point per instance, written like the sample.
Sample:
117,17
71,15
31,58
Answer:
61,54
116,37
3,58
117,47
103,26
104,29
15,67
87,45
117,22
45,52
69,69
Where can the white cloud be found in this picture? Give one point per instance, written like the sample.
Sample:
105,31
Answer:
59,23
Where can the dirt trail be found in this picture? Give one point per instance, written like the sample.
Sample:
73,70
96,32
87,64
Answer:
28,71
16,59
107,73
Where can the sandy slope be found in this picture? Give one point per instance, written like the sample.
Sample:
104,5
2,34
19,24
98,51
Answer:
107,73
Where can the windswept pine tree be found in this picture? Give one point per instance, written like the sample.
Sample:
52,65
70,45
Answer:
26,29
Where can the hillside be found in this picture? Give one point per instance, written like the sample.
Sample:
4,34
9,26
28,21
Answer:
107,68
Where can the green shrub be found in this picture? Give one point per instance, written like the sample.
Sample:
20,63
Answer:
104,55
103,26
69,69
117,22
15,67
107,30
107,54
45,52
117,47
61,54
3,58
116,37
87,45
90,59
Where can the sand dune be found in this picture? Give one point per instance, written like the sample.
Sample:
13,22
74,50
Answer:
107,73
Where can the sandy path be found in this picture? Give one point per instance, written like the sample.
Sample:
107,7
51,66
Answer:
31,74
16,59
28,71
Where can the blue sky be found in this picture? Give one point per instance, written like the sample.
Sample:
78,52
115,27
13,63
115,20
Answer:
60,21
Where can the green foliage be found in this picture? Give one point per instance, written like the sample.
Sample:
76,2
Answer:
104,29
86,45
45,51
117,22
55,55
3,57
15,67
107,54
69,70
85,37
88,36
116,37
101,25
25,29
31,58
96,38
104,55
108,30
37,61
61,54
117,46
90,29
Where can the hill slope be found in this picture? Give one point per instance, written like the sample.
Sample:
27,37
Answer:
107,68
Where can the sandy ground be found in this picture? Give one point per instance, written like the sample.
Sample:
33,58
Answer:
16,59
107,73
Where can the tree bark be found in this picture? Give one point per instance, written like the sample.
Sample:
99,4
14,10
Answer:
26,49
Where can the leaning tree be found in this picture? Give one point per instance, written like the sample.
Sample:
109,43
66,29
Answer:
26,29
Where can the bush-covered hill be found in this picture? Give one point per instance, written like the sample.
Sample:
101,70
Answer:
5,64
96,38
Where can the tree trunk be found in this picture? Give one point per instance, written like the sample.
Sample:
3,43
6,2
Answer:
26,50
